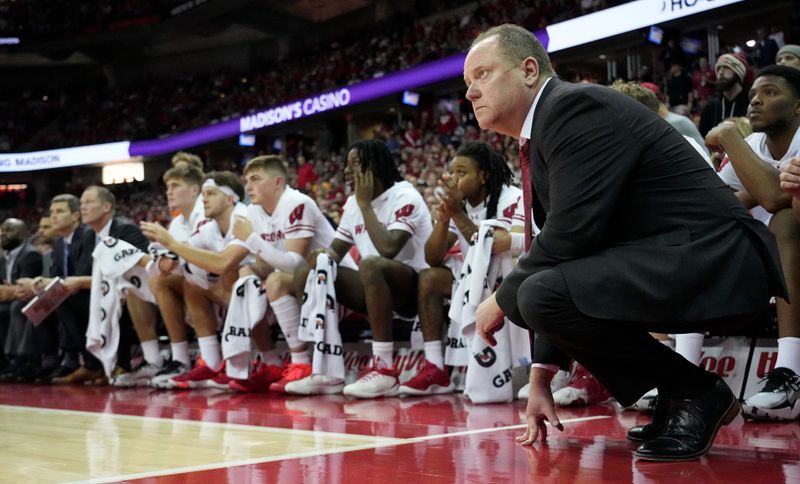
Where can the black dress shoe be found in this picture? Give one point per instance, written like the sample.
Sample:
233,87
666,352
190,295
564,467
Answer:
42,374
641,433
692,425
8,373
26,373
60,372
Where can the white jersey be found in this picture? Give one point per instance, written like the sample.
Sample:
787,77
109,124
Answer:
510,212
758,143
401,207
296,216
208,235
181,229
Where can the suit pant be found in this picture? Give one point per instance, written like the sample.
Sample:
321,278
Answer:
622,355
73,318
19,335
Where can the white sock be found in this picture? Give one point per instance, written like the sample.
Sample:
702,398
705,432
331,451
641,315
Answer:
301,357
180,352
789,353
151,354
210,351
433,353
690,346
669,343
382,350
287,312
271,357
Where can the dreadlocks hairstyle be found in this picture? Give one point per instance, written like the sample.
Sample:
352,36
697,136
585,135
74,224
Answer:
374,155
494,165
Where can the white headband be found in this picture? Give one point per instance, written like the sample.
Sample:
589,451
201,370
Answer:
223,188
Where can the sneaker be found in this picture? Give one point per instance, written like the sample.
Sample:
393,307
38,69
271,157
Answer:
559,381
197,377
430,380
261,377
139,378
778,400
647,403
293,372
163,379
315,385
584,390
220,382
376,382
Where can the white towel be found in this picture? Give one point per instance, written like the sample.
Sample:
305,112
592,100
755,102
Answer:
488,376
319,319
248,306
114,273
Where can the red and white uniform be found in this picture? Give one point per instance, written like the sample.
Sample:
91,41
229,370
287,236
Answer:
296,216
510,213
401,207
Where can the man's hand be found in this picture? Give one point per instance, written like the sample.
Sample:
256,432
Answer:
167,264
721,135
790,178
364,186
39,283
540,409
452,200
502,241
25,289
242,228
157,233
312,256
72,285
489,319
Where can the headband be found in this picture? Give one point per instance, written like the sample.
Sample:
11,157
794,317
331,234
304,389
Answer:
223,188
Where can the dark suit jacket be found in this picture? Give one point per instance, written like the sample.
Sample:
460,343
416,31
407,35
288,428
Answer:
27,264
125,229
80,255
641,228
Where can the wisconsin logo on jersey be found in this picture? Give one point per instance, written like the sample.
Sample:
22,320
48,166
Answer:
509,211
404,212
297,214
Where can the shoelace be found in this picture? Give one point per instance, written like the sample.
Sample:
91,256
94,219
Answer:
781,380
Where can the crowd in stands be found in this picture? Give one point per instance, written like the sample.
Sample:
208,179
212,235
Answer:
136,111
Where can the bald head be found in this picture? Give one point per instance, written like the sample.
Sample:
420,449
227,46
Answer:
12,233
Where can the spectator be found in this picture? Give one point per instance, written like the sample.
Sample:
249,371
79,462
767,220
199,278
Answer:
733,97
679,87
765,50
789,55
703,81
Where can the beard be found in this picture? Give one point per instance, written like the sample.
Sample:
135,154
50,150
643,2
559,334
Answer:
10,244
725,84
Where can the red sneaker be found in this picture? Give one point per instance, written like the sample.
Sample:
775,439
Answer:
583,390
430,380
293,372
261,376
197,377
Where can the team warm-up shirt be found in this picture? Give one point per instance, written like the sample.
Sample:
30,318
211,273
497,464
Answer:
401,207
181,229
209,237
510,213
758,142
296,216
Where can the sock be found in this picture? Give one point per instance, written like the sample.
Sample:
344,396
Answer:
151,354
271,357
382,351
433,353
287,312
301,357
210,351
180,352
690,346
669,343
789,354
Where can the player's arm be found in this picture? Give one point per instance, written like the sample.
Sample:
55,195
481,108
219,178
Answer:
213,262
388,243
440,240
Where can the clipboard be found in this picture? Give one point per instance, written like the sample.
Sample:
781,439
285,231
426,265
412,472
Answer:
45,303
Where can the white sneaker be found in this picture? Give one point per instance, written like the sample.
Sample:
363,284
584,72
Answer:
163,379
377,382
559,381
778,400
315,385
139,378
647,403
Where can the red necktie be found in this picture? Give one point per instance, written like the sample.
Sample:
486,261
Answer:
527,194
